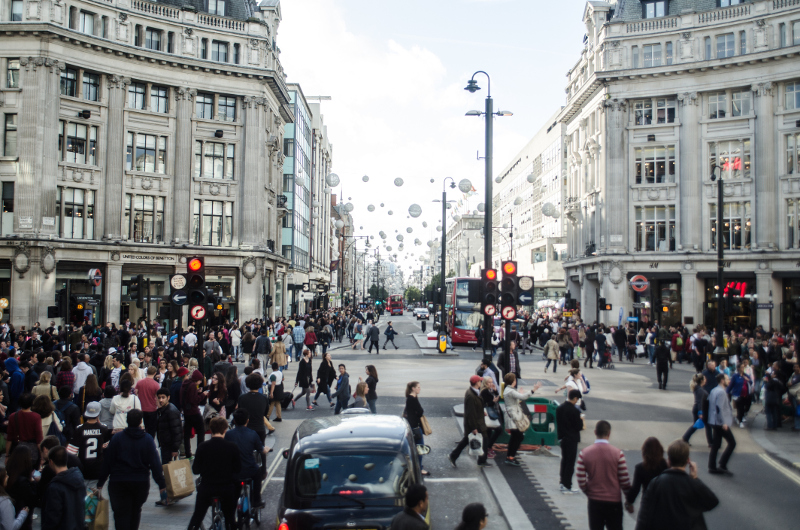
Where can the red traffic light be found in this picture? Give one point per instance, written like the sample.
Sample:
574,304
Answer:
491,274
195,264
509,267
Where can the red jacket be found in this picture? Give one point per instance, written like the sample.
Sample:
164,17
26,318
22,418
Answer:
311,338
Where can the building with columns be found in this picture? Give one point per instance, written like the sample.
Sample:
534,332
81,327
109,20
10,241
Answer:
663,94
321,244
135,134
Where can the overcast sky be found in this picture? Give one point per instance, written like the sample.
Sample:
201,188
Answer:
396,73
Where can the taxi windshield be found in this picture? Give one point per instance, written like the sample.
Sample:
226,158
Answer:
357,476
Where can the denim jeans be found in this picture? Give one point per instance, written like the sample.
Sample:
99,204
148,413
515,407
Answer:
651,353
372,407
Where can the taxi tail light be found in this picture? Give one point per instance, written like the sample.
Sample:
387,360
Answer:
283,526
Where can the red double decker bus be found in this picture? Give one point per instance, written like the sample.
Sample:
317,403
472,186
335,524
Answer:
395,304
463,316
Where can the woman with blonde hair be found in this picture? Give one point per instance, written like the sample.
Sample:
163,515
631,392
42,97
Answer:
518,422
44,388
133,369
361,396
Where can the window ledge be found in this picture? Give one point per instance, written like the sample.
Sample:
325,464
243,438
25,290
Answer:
9,159
213,181
148,112
676,123
10,89
135,173
728,118
76,99
217,122
655,185
76,165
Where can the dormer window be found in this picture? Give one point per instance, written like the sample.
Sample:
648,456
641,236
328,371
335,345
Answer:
654,9
728,3
216,7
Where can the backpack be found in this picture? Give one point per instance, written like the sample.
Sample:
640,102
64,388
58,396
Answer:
53,430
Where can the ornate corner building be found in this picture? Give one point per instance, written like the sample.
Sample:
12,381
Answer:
664,91
135,134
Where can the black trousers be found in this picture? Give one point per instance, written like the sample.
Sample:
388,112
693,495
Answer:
589,357
569,452
742,406
465,442
662,371
604,514
387,341
376,343
189,421
206,495
719,434
126,499
150,423
513,444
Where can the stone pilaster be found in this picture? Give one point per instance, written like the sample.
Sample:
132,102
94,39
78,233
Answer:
182,181
35,192
690,178
616,191
766,214
115,157
252,179
113,291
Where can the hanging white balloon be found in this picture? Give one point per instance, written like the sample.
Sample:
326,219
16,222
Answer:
430,244
382,234
481,207
399,237
371,208
365,178
388,248
456,218
438,228
349,207
332,180
381,205
424,224
531,178
339,223
417,242
390,212
465,186
398,182
415,210
315,204
432,181
409,229
517,201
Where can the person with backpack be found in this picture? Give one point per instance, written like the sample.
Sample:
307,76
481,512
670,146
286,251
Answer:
65,494
51,425
68,413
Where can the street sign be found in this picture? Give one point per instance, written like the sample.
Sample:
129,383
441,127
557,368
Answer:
638,305
178,281
525,283
3,303
525,298
179,297
95,277
633,319
306,287
567,313
198,312
759,306
639,283
509,313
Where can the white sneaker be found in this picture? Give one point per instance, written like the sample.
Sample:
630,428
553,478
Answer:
741,425
567,491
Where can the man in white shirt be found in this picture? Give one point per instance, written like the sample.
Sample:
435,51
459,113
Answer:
190,339
275,382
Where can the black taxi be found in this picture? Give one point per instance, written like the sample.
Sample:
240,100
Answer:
348,472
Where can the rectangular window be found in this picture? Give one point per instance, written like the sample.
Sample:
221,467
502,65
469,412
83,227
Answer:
159,98
669,53
791,216
10,135
147,214
635,52
728,3
726,46
81,143
216,7
226,110
796,32
204,105
12,73
204,48
136,92
152,39
214,160
75,208
86,23
792,153
707,43
91,87
16,10
784,38
741,102
736,225
7,218
665,110
213,223
655,165
742,42
792,98
219,51
69,82
717,105
654,9
733,157
651,55
655,228
236,53
288,148
149,154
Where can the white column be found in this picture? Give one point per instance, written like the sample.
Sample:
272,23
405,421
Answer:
766,213
690,178
113,291
616,173
252,180
115,157
182,182
691,297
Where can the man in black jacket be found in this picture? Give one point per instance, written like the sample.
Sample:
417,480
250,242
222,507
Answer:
170,428
374,336
474,423
570,424
70,411
662,364
65,495
412,517
675,498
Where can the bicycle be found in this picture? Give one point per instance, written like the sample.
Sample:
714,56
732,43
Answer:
246,511
213,518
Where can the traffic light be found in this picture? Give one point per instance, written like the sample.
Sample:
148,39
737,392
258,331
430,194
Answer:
490,292
603,305
665,307
268,301
196,288
214,304
62,301
136,290
510,288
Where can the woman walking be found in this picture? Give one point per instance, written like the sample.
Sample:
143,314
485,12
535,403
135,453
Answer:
372,383
739,390
304,378
652,465
361,396
413,413
310,341
358,336
123,403
326,374
490,398
551,351
44,388
518,421
700,407
390,333
248,341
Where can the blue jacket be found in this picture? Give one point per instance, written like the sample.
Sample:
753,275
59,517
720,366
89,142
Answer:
131,456
343,387
64,507
248,441
737,385
389,332
16,384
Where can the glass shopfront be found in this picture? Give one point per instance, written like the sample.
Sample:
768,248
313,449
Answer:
84,298
5,289
158,296
222,281
660,302
740,304
278,297
790,304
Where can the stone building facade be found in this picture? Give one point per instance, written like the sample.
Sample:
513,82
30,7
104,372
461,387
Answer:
664,93
135,134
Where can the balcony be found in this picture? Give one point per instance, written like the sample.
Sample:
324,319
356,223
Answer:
155,9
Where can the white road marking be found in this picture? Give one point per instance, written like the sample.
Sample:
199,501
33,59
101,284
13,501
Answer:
273,468
466,479
788,474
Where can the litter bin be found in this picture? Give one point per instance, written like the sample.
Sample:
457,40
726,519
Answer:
424,325
543,429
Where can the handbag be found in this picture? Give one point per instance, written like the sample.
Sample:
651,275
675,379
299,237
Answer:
417,432
699,424
475,444
525,410
492,423
426,427
492,413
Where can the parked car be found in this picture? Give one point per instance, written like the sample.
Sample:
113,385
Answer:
348,471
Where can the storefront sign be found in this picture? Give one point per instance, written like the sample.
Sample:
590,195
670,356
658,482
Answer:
3,303
25,221
48,221
638,305
633,319
149,258
639,283
566,314
759,306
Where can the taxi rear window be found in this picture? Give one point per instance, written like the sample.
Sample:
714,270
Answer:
358,476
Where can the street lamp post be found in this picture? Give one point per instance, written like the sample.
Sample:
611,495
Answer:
720,349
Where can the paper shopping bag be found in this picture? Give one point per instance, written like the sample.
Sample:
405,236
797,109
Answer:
179,479
101,516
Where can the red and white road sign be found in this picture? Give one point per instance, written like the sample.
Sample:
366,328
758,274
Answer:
509,313
639,283
198,312
490,310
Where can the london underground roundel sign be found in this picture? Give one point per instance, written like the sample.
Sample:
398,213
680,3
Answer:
639,283
198,312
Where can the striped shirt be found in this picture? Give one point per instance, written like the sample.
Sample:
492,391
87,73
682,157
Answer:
602,472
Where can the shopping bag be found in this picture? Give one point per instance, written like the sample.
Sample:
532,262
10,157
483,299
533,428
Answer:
179,479
89,507
577,352
475,444
101,516
426,427
492,423
699,424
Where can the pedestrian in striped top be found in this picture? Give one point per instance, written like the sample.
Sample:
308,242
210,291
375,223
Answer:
602,475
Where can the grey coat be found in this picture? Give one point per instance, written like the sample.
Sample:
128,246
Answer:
719,408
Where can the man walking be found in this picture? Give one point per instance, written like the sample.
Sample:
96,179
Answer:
276,391
298,336
720,417
342,394
602,472
570,424
65,494
146,392
88,443
662,357
263,347
390,333
374,335
168,427
474,423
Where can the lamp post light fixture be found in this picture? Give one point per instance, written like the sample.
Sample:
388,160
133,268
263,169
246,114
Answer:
472,87
720,349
